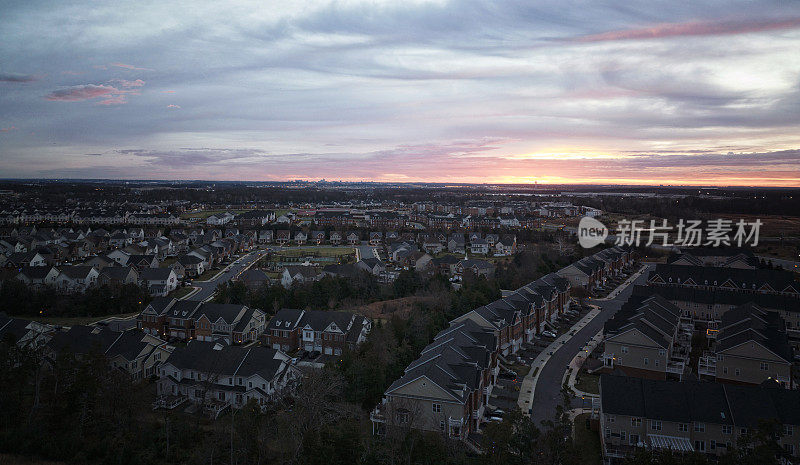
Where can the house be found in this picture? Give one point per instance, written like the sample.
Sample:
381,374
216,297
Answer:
318,237
375,238
456,244
690,416
648,338
506,246
346,270
235,324
300,238
372,265
24,333
76,278
446,390
336,237
133,351
750,347
216,376
159,281
283,237
478,267
761,281
254,218
100,262
445,264
432,246
353,238
220,218
118,275
326,332
119,256
193,266
254,278
479,247
38,276
299,274
20,259
265,236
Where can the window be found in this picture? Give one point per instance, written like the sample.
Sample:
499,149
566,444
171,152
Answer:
725,370
646,361
656,362
636,422
699,427
662,352
737,372
700,446
712,444
743,431
436,407
764,366
788,430
624,349
441,425
608,433
683,427
727,429
611,418
655,425
633,439
622,436
789,448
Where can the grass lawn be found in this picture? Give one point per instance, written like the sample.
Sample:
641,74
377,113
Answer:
208,274
587,441
181,292
319,251
167,262
78,320
588,383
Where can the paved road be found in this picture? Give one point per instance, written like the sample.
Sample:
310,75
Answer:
548,388
207,288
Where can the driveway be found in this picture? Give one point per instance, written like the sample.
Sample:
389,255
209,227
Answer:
547,394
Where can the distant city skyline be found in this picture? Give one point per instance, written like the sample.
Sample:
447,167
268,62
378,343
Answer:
641,92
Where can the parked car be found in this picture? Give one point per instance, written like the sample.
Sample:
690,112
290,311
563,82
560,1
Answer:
548,334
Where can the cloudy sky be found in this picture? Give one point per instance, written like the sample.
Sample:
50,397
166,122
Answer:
635,92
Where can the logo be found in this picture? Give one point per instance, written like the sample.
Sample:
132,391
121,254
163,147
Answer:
591,232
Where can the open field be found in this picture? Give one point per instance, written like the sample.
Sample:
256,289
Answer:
78,320
315,251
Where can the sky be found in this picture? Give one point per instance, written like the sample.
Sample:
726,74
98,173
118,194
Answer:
602,92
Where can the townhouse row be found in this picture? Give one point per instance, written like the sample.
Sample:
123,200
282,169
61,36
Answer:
691,416
447,388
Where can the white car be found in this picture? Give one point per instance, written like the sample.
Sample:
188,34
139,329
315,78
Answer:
548,334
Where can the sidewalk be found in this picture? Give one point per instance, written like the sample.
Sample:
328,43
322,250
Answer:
611,295
577,362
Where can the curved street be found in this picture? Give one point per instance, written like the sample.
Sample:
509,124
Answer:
547,394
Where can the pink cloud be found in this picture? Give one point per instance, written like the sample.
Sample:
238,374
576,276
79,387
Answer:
128,84
693,28
173,106
127,66
114,100
83,92
8,129
110,94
